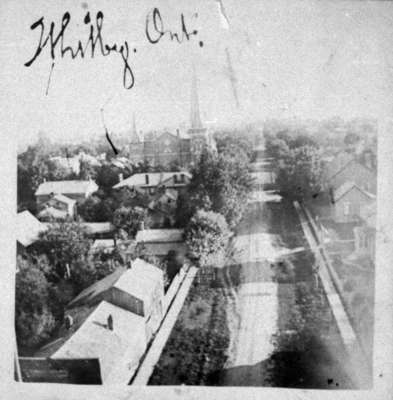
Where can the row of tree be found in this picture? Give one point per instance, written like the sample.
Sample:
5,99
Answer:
216,200
297,164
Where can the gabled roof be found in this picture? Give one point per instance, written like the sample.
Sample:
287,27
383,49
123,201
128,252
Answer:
346,187
28,228
139,281
68,187
114,348
160,235
155,179
337,169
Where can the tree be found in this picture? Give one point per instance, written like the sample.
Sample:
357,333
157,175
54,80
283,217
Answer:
107,175
67,246
207,236
221,183
276,148
130,219
33,318
87,171
300,175
90,209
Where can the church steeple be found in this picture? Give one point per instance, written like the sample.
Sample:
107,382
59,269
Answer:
195,118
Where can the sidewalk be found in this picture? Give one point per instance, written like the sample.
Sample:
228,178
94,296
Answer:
154,352
329,281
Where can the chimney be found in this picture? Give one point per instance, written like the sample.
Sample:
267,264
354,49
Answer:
142,225
147,179
120,176
178,133
110,322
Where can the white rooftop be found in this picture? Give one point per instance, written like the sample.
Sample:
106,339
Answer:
154,179
118,350
28,228
68,187
140,281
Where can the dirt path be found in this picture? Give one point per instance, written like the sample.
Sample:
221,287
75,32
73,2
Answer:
256,306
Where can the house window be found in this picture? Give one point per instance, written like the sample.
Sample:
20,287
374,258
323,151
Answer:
151,190
347,207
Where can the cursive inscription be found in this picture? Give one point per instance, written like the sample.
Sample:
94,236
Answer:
155,29
54,40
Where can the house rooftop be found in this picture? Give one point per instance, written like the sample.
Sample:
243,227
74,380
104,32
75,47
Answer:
346,187
154,179
113,347
160,235
28,228
68,187
139,281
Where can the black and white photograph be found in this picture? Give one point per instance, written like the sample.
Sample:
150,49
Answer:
197,194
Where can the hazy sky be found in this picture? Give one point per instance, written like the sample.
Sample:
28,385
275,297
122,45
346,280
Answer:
304,59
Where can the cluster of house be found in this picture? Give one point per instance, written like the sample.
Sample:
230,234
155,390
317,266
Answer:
106,330
351,181
57,200
108,326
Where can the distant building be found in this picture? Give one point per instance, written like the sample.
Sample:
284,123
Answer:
58,207
76,190
348,199
167,147
351,171
150,182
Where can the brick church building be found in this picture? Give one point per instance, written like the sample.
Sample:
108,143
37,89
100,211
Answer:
166,147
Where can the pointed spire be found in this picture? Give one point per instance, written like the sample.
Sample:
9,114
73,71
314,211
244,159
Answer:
195,118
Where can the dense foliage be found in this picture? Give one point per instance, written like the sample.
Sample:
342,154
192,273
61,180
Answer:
299,174
207,236
34,320
220,183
